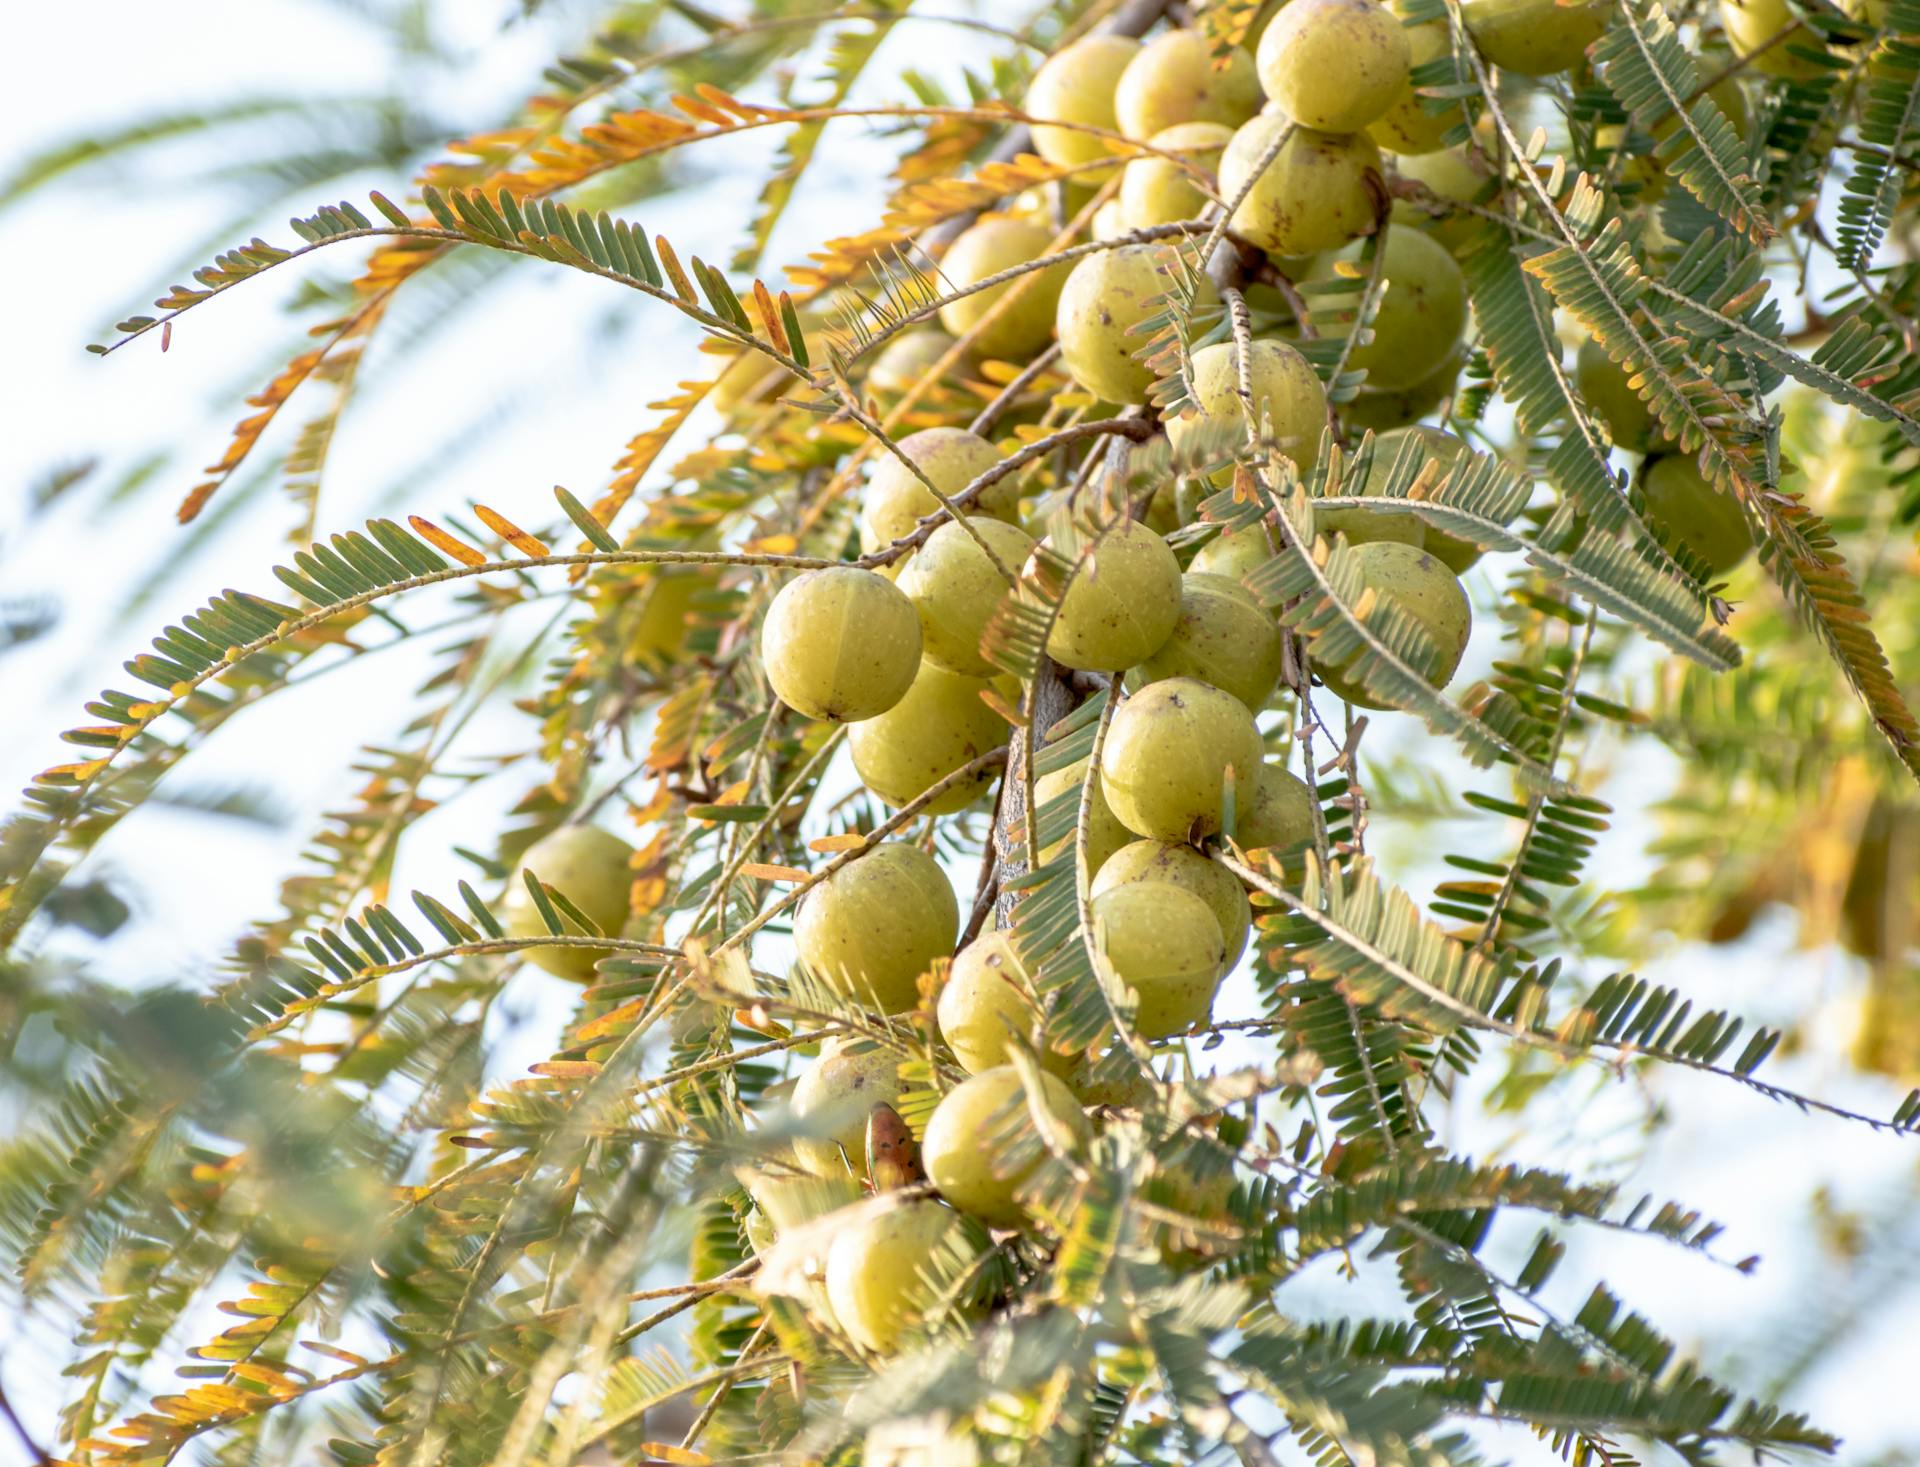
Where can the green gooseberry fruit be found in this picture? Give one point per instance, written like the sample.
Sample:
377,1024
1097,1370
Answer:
1122,603
1750,24
1278,813
1422,588
1166,946
1321,190
1158,190
832,1100
951,458
1236,554
940,725
1109,221
994,244
1223,637
1168,750
1335,65
1287,396
970,1133
1077,84
1380,411
1173,79
588,866
1406,127
1422,313
1192,871
1105,297
1535,37
877,924
1105,833
1606,388
903,361
1709,523
1457,175
759,1231
841,644
984,1007
955,588
888,1269
1456,554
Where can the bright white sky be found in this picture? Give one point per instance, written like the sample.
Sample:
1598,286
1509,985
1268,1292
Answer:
577,380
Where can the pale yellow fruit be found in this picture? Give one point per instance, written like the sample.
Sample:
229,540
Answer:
1422,588
1109,221
887,1271
1166,946
1335,65
1158,190
1122,603
1709,523
832,1100
1279,813
1422,312
1535,37
1605,388
589,867
1105,298
984,250
955,588
1457,175
903,361
1407,127
939,726
1223,638
875,925
1173,79
841,644
1321,190
791,1200
1105,833
1751,24
951,458
1287,397
986,1007
971,1133
1380,411
1168,751
1235,554
1443,450
1077,84
1193,872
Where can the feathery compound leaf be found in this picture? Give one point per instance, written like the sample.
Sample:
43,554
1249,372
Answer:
1889,133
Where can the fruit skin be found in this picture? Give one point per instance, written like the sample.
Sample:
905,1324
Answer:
841,644
1105,833
789,1200
589,866
877,924
951,458
903,361
1424,589
1455,554
1380,411
1279,812
955,589
1167,753
1604,387
940,725
1534,37
1752,23
1406,127
1187,868
959,1145
833,1097
984,1008
1234,554
1287,395
1158,190
1105,297
1320,191
1109,221
1710,524
1077,84
1172,79
1122,603
1335,65
883,1272
1166,946
1422,313
1223,637
993,245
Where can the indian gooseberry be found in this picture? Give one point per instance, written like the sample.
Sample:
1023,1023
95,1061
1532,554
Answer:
951,458
1379,411
1165,944
875,925
1223,637
985,249
1709,523
1234,554
984,1007
1605,387
1167,755
1105,833
1122,603
1407,127
1109,220
1321,189
939,726
1076,85
1278,813
1421,588
1192,871
1535,37
1158,190
586,865
1105,297
1444,450
791,1200
955,588
886,1271
832,1099
1751,24
1335,65
841,643
1287,397
903,361
974,1128
1173,79
1422,312
1457,175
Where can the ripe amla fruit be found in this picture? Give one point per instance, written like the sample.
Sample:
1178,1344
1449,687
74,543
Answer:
1335,65
1165,944
1168,750
1422,588
1158,190
1535,37
955,588
1751,24
940,725
877,924
951,458
1106,296
1105,833
1223,637
1193,872
981,1143
833,1097
1173,79
1234,554
984,1007
1278,813
1710,524
903,361
994,244
1457,175
1379,410
1122,603
1605,387
1422,312
1406,127
1077,84
886,1271
1287,397
588,866
1321,190
841,644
